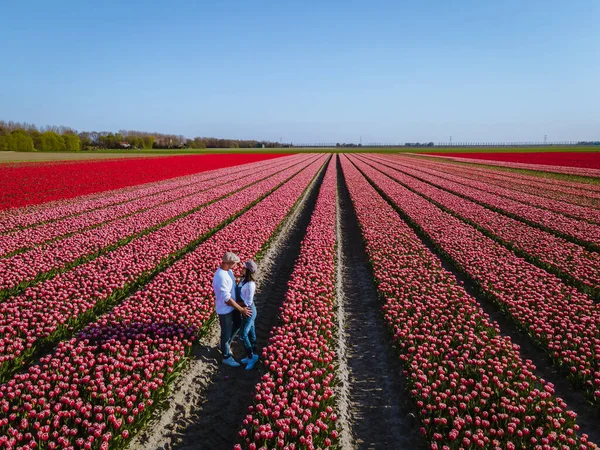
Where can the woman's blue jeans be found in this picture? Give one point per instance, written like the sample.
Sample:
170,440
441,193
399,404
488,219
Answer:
248,333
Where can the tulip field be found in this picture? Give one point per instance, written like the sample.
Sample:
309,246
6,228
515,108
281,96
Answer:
106,298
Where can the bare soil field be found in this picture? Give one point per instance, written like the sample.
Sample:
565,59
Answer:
7,157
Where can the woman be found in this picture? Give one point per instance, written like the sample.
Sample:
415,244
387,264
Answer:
246,290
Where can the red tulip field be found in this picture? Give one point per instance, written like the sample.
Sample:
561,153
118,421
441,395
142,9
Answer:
404,302
32,184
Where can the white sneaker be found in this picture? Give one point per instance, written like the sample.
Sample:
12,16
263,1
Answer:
252,362
245,360
231,362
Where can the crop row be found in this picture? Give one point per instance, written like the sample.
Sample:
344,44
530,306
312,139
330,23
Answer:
99,387
566,170
572,262
469,383
558,317
532,185
45,261
46,313
293,405
588,214
30,237
580,231
564,186
575,187
545,206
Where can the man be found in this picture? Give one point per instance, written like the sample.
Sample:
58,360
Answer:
225,305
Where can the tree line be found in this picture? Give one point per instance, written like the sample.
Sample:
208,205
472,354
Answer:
23,137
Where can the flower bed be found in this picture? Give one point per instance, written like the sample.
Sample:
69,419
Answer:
559,318
30,216
577,230
293,404
470,386
98,388
586,164
581,213
26,238
573,262
45,261
47,312
575,193
31,184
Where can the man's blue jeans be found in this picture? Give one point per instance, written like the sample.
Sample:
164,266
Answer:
228,333
248,333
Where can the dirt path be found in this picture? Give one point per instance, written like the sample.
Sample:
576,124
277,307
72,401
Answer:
209,401
9,157
381,412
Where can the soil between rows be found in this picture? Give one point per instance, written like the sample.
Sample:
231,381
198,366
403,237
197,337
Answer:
382,413
210,400
588,416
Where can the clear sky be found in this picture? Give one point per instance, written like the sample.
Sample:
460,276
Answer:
306,71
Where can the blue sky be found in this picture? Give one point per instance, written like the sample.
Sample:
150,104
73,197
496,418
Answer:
307,71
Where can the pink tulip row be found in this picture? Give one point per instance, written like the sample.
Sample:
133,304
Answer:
544,205
293,406
579,171
97,389
30,237
49,310
559,318
576,187
469,383
574,262
31,216
536,186
584,232
566,186
44,261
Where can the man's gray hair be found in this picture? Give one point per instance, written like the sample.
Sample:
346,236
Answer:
230,257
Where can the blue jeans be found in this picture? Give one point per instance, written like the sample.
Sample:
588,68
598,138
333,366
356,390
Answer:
228,333
248,333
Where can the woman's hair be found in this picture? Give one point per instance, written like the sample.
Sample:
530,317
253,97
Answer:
249,276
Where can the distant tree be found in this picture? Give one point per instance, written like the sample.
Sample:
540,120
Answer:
248,144
197,143
56,138
72,142
85,139
109,140
20,141
147,142
49,141
94,136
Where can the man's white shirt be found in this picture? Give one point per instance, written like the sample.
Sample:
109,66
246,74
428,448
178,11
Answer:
224,287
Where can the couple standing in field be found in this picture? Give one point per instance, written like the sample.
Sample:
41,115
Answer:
234,304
